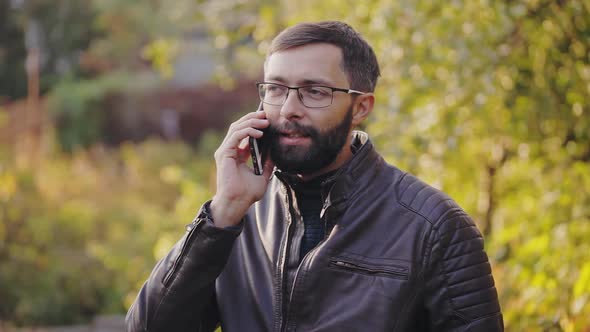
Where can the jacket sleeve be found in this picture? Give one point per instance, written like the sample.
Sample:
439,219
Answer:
179,294
460,290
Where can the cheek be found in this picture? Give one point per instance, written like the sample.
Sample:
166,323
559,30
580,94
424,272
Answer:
320,119
272,115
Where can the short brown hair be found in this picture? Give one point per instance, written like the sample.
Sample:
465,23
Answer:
359,61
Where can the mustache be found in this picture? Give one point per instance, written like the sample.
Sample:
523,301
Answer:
292,127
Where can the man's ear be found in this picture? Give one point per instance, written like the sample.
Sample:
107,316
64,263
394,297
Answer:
364,107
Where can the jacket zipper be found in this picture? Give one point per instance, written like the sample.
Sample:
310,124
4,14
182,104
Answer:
285,309
286,314
301,264
399,272
281,282
283,326
283,251
191,228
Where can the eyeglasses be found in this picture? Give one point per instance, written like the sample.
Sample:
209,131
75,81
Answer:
312,96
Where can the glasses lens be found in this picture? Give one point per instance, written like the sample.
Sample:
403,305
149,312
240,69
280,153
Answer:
316,96
272,94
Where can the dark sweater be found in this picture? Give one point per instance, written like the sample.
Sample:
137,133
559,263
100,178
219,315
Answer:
309,200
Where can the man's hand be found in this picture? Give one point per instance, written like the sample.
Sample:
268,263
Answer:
237,185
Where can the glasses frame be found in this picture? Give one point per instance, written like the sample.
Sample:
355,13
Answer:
289,88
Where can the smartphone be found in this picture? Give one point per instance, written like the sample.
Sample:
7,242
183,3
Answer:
258,150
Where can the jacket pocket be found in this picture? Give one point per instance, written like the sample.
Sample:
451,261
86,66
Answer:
390,271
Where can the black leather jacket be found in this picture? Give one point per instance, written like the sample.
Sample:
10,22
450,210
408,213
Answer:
402,257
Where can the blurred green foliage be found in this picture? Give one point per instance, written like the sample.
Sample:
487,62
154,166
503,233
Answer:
487,100
80,232
77,105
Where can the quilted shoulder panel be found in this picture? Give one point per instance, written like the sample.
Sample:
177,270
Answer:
429,202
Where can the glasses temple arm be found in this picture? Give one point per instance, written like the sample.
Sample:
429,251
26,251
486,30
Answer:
350,91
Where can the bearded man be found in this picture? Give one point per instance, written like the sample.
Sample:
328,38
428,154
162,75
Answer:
329,237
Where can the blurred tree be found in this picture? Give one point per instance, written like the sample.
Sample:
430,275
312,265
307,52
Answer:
136,33
131,39
12,54
61,32
86,41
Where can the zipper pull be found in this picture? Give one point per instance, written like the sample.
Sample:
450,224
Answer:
189,227
325,207
343,264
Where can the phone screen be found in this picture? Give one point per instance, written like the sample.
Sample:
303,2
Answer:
257,150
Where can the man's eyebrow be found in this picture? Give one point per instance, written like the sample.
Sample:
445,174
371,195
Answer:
310,81
276,78
315,81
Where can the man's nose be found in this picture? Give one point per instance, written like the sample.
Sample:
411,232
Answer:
293,107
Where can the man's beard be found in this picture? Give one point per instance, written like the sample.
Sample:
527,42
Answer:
323,150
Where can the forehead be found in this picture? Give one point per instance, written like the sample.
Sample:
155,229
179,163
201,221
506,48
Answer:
314,63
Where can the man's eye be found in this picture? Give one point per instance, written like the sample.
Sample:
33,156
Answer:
273,89
317,92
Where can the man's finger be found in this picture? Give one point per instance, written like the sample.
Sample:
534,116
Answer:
233,141
253,119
